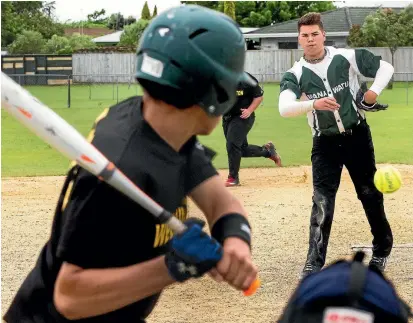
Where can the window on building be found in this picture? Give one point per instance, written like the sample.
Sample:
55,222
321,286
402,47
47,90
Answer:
288,45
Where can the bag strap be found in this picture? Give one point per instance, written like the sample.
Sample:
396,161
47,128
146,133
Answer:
358,276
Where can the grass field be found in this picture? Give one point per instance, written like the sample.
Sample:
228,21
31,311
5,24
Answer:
23,154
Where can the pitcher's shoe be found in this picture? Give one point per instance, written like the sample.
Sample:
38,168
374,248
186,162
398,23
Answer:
378,263
308,270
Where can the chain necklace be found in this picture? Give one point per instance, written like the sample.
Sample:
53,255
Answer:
316,60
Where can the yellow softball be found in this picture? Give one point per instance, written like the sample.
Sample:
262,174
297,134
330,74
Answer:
387,179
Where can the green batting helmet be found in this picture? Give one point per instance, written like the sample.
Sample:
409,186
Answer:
192,55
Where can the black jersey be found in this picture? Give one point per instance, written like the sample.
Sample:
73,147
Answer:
97,227
246,93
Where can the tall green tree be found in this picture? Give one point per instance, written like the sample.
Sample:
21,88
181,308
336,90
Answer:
229,9
384,28
155,11
146,14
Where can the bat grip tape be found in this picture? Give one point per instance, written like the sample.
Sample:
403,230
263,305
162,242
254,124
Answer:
107,172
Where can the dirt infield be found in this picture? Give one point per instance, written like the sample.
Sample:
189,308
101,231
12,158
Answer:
278,201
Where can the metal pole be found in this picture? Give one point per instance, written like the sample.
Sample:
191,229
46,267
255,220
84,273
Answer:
407,93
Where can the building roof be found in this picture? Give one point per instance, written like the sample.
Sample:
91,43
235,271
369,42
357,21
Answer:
109,38
337,22
245,30
92,31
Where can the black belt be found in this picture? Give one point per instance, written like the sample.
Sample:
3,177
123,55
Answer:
348,131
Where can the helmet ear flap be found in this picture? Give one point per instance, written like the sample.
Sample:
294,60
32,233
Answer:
222,95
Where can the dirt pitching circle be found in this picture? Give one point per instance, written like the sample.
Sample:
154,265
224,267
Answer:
278,201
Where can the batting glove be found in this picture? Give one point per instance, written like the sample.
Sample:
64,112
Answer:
361,104
192,253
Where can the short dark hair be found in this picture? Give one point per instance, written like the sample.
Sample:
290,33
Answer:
309,19
177,98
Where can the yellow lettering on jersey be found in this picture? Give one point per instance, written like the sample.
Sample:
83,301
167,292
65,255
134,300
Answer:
240,92
91,134
67,195
163,232
73,163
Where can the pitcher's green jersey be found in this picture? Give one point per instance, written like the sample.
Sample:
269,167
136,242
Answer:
335,76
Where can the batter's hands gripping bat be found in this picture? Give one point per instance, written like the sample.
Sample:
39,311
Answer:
67,140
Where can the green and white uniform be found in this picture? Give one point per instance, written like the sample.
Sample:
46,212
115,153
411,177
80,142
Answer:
336,76
340,138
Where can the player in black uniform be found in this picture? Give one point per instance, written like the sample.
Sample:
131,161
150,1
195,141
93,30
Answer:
237,123
107,259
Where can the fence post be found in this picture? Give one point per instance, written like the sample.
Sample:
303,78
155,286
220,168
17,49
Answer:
68,91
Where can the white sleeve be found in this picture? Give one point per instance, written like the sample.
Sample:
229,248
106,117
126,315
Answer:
383,76
290,107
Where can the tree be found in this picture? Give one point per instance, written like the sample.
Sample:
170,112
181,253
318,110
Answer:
132,33
58,45
264,13
21,7
208,4
130,20
229,9
300,8
155,12
28,42
146,14
17,16
356,37
97,16
49,8
77,41
8,25
116,21
384,28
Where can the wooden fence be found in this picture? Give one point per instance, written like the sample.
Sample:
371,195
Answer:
38,69
266,65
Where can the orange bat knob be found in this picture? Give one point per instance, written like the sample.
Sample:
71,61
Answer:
253,288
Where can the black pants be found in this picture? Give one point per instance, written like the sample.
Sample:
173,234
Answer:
329,154
236,130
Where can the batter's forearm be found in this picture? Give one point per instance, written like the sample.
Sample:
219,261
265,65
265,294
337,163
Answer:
89,292
290,107
383,77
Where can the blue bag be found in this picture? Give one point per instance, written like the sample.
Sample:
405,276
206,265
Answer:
346,292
